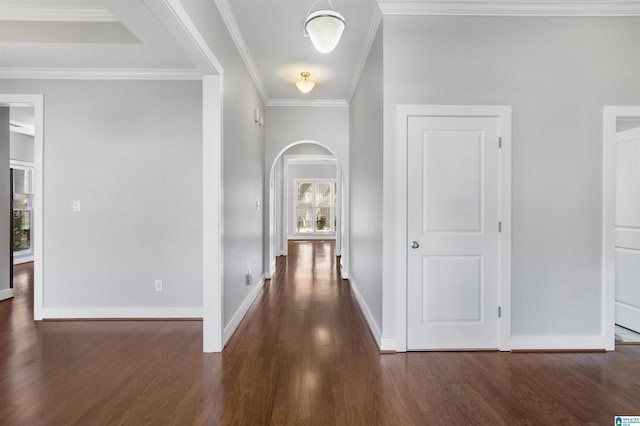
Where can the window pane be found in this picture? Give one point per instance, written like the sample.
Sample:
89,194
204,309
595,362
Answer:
21,230
305,194
323,194
304,219
323,219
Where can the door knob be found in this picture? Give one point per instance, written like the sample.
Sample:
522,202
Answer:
415,244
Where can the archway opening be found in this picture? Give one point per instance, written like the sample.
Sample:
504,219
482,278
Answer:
316,167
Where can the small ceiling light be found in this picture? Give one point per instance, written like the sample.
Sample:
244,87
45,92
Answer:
304,84
324,27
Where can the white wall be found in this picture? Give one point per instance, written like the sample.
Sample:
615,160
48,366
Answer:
367,189
557,73
328,126
303,171
243,165
130,152
21,147
5,200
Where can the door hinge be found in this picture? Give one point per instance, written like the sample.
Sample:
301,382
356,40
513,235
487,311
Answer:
499,226
500,142
499,311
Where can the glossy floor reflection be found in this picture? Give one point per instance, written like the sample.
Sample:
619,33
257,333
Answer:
303,355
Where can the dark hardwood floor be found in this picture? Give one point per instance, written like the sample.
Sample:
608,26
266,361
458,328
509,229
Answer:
303,355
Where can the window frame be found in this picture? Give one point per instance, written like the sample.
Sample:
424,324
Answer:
332,208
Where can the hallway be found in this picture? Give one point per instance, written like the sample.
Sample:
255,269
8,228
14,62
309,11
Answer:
303,355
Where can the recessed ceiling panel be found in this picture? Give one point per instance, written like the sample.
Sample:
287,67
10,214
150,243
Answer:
66,32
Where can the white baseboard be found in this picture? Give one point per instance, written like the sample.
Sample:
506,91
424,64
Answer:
6,294
272,268
344,271
18,260
373,326
230,328
115,313
558,342
388,344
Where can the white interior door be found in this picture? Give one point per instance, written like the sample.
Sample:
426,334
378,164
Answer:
453,218
627,229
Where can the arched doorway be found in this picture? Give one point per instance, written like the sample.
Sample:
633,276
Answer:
278,214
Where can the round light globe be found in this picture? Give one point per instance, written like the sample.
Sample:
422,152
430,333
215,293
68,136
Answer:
325,28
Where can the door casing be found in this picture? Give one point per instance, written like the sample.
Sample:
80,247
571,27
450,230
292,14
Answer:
610,116
401,244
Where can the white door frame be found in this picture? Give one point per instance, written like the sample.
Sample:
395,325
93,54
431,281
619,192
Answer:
503,113
37,102
610,117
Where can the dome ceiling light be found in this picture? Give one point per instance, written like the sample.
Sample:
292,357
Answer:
304,84
324,27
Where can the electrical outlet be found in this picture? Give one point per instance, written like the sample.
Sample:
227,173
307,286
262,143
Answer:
249,277
158,285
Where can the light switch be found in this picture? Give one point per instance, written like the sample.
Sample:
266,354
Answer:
257,206
75,206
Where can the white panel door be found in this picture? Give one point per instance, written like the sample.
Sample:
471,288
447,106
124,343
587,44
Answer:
453,214
627,226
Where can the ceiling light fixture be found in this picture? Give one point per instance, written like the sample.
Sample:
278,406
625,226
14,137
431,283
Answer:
324,27
304,84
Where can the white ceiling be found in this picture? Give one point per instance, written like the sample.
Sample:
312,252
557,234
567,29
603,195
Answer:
107,35
273,33
124,34
84,34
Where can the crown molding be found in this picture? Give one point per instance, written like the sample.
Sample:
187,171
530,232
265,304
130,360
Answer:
173,16
57,13
99,74
241,45
512,8
325,103
364,55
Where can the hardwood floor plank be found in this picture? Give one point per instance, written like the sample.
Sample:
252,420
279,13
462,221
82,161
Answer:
303,355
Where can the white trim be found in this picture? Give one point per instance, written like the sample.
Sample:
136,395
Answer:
99,74
388,344
19,259
37,102
364,54
112,312
368,316
558,342
272,269
242,310
323,103
610,116
403,112
23,164
512,8
321,160
177,21
22,128
241,45
6,294
212,214
57,13
344,272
